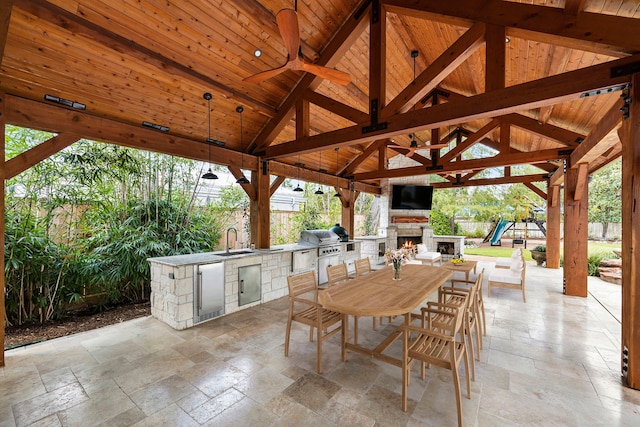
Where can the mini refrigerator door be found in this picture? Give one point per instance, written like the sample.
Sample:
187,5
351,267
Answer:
249,284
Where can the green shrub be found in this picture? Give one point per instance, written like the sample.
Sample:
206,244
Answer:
540,248
594,262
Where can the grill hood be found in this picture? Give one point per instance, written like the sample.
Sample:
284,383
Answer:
318,237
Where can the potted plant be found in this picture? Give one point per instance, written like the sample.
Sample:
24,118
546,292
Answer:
539,254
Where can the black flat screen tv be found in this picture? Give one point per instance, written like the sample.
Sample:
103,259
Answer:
412,197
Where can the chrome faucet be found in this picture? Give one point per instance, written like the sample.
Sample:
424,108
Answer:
235,232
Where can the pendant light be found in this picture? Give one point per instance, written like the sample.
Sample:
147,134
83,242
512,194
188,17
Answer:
319,192
337,193
242,180
209,174
298,189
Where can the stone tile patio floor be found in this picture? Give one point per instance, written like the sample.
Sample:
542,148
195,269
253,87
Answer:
551,361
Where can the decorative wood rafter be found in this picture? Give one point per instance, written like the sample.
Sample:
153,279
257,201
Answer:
40,152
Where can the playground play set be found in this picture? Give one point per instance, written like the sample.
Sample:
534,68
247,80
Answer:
520,231
519,226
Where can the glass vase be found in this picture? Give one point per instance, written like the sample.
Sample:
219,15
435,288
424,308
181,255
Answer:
396,270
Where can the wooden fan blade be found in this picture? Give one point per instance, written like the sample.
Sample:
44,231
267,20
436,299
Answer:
434,146
260,77
336,76
287,20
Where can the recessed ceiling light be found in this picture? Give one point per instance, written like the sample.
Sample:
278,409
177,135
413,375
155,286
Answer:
257,53
507,39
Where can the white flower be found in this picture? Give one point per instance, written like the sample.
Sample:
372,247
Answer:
398,256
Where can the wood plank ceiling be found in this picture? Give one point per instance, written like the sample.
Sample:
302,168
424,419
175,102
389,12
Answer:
491,65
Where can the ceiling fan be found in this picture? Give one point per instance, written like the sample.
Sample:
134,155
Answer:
414,146
287,20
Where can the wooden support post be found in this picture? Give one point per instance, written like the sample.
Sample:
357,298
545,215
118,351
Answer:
630,136
2,178
260,215
576,220
553,227
348,200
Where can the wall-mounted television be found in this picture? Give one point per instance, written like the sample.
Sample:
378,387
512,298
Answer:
412,197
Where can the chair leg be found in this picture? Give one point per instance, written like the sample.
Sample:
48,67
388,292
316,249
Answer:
355,329
373,321
286,337
319,352
456,384
524,298
469,339
310,333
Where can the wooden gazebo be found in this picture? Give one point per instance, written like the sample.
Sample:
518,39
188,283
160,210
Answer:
551,84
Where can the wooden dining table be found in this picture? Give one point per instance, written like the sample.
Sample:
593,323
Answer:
377,294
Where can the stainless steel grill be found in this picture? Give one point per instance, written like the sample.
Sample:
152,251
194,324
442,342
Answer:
327,242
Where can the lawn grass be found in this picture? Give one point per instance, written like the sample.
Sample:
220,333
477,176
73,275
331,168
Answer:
500,252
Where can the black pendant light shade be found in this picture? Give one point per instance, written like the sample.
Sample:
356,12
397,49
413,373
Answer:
298,189
243,179
209,174
319,192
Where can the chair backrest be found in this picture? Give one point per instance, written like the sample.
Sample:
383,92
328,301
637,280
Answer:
302,283
337,274
363,266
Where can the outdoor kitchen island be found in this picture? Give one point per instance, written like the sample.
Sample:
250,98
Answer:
176,286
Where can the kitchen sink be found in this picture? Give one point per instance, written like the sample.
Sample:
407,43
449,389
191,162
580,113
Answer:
234,253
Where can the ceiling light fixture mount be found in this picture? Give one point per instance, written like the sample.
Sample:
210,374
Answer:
209,174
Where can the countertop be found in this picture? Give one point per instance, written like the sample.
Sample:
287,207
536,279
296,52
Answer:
219,256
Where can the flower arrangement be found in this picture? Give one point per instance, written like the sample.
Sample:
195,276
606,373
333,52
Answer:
457,259
397,258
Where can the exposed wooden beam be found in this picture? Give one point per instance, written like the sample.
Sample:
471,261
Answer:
437,71
248,188
3,308
51,118
582,181
291,171
545,130
630,336
471,140
534,94
276,184
5,17
522,179
377,60
341,42
612,35
573,7
535,189
40,152
601,138
368,152
336,107
495,58
56,15
499,160
559,58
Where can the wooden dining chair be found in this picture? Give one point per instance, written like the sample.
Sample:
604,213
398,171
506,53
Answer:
467,300
436,345
337,274
363,266
304,308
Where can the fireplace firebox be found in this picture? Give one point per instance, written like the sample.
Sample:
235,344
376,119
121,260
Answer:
446,248
413,239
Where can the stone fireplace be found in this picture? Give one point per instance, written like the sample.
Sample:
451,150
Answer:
402,225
